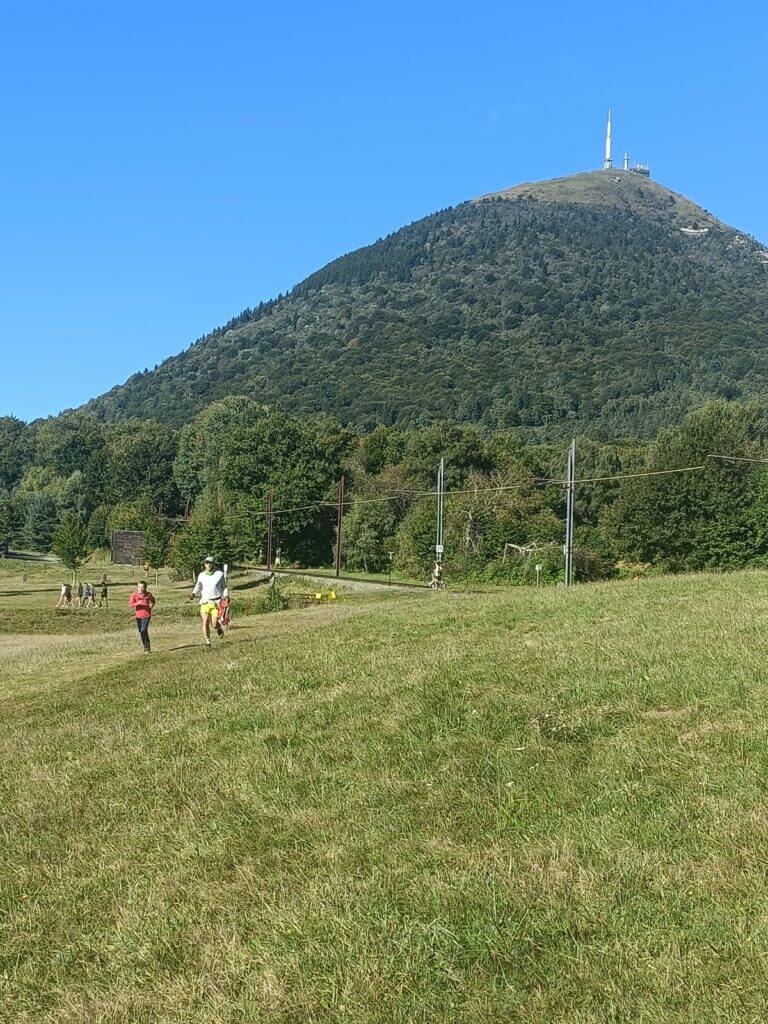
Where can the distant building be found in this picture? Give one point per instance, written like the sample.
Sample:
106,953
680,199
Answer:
642,169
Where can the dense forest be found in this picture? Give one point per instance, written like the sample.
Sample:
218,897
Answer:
601,304
70,480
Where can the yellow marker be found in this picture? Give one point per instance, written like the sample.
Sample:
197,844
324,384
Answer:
318,596
331,595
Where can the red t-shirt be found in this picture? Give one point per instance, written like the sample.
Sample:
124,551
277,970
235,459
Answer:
142,603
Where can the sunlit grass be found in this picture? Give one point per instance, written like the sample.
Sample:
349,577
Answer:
536,806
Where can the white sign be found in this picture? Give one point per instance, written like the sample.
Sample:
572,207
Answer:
537,568
439,549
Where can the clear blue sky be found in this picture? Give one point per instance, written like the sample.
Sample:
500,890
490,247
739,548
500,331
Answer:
165,165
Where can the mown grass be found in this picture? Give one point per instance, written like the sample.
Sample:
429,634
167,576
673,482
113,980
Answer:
538,806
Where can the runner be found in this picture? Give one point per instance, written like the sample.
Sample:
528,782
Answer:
211,587
142,602
225,614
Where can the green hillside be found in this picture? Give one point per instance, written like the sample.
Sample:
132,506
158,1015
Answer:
602,303
542,806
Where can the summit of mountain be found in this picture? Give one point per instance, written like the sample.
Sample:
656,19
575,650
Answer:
602,302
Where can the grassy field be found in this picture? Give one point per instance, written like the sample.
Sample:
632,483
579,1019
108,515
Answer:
532,806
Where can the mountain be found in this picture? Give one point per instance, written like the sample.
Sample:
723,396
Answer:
601,303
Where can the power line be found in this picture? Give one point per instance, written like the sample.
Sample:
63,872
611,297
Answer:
403,494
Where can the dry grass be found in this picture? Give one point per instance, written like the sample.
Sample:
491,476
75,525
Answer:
535,806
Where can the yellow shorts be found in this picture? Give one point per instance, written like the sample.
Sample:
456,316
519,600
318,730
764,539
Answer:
210,608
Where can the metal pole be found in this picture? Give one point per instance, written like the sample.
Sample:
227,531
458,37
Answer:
269,529
339,525
569,516
439,549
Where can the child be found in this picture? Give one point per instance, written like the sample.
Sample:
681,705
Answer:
142,603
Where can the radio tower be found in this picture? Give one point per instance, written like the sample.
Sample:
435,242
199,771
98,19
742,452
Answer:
608,163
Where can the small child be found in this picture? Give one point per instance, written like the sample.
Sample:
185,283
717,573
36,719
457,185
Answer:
142,603
225,614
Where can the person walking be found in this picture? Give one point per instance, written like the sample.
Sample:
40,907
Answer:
79,598
104,593
211,587
65,599
90,596
142,603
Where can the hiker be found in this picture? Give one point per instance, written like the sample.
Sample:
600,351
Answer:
65,598
225,614
79,599
104,594
210,587
90,596
437,582
142,603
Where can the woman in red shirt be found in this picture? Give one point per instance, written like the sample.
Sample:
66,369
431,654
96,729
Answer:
142,602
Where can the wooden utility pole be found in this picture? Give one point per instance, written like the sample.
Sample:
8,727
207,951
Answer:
339,525
270,499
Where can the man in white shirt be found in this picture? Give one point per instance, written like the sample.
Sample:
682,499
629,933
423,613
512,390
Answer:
211,587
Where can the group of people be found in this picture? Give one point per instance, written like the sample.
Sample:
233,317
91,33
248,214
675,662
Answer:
210,588
84,595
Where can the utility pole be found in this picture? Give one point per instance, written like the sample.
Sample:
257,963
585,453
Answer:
270,498
570,487
339,525
439,549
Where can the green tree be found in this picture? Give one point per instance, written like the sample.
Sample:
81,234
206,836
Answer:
39,521
70,542
131,515
241,450
15,450
157,539
416,539
140,456
205,534
98,528
6,523
70,442
369,536
698,519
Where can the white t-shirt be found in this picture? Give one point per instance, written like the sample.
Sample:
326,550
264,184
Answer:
211,586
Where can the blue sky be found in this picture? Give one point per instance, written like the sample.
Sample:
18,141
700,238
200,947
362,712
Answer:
165,165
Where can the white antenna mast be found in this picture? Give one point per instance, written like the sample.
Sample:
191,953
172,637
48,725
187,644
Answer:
608,162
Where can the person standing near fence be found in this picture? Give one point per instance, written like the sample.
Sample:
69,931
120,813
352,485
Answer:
142,603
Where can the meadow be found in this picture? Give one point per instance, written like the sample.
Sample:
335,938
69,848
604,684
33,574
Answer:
536,805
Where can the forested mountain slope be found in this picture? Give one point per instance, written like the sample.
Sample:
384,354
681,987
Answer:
601,303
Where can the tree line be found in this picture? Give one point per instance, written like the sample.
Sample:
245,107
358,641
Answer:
67,482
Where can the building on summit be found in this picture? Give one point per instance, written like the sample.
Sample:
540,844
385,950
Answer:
642,169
